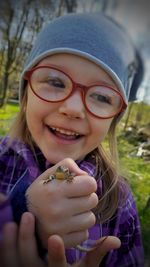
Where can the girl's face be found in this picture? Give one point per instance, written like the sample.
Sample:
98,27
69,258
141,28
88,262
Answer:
67,129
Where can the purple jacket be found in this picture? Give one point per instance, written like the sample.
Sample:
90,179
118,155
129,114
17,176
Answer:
18,169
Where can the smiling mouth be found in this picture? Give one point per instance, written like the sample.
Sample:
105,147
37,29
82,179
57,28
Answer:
65,134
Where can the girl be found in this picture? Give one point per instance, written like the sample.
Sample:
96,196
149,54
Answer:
74,88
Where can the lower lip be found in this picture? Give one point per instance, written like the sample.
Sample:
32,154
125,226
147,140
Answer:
61,140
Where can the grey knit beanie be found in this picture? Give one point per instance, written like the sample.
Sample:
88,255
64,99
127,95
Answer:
94,37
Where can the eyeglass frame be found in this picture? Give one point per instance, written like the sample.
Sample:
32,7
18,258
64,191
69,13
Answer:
75,85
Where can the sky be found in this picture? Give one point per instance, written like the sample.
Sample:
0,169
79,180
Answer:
135,16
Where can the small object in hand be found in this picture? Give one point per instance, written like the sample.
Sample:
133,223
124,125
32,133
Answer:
49,179
62,173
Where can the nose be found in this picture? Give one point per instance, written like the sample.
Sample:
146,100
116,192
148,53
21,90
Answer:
73,106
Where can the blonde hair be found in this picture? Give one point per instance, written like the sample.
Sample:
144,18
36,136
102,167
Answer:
109,173
19,128
107,169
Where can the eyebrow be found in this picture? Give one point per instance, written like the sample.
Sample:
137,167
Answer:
63,68
107,83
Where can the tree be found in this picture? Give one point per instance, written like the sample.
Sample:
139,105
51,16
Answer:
19,23
13,20
71,5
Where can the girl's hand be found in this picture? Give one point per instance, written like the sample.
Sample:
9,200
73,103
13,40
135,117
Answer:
56,252
19,248
61,207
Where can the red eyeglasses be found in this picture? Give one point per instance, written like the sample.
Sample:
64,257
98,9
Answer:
54,85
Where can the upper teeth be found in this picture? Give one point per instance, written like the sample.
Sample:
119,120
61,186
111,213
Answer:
64,131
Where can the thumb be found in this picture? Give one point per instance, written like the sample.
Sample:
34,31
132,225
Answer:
95,257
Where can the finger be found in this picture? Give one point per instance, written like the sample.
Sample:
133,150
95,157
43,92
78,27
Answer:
9,246
56,252
81,204
27,242
80,186
79,222
95,257
75,238
67,162
76,223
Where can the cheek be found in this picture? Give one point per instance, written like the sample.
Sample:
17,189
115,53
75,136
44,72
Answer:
101,129
35,114
36,108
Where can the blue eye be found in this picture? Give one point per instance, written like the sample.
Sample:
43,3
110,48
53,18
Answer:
101,98
55,82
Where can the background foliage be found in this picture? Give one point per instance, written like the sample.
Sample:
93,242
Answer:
135,168
20,21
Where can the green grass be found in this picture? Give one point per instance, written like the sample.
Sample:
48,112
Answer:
137,172
7,114
135,169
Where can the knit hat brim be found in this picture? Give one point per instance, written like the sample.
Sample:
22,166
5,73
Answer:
78,53
92,36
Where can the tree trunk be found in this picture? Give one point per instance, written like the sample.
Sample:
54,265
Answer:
128,116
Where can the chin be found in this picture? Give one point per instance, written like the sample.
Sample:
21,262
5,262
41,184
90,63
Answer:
55,159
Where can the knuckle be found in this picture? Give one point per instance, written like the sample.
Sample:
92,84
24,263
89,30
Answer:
92,219
55,213
53,192
68,162
81,236
85,235
75,238
94,200
93,184
90,183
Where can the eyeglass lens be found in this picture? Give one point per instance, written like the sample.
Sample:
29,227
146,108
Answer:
53,85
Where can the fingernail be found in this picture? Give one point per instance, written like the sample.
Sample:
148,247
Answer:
25,219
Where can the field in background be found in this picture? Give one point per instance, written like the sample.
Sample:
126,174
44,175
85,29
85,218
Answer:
7,114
